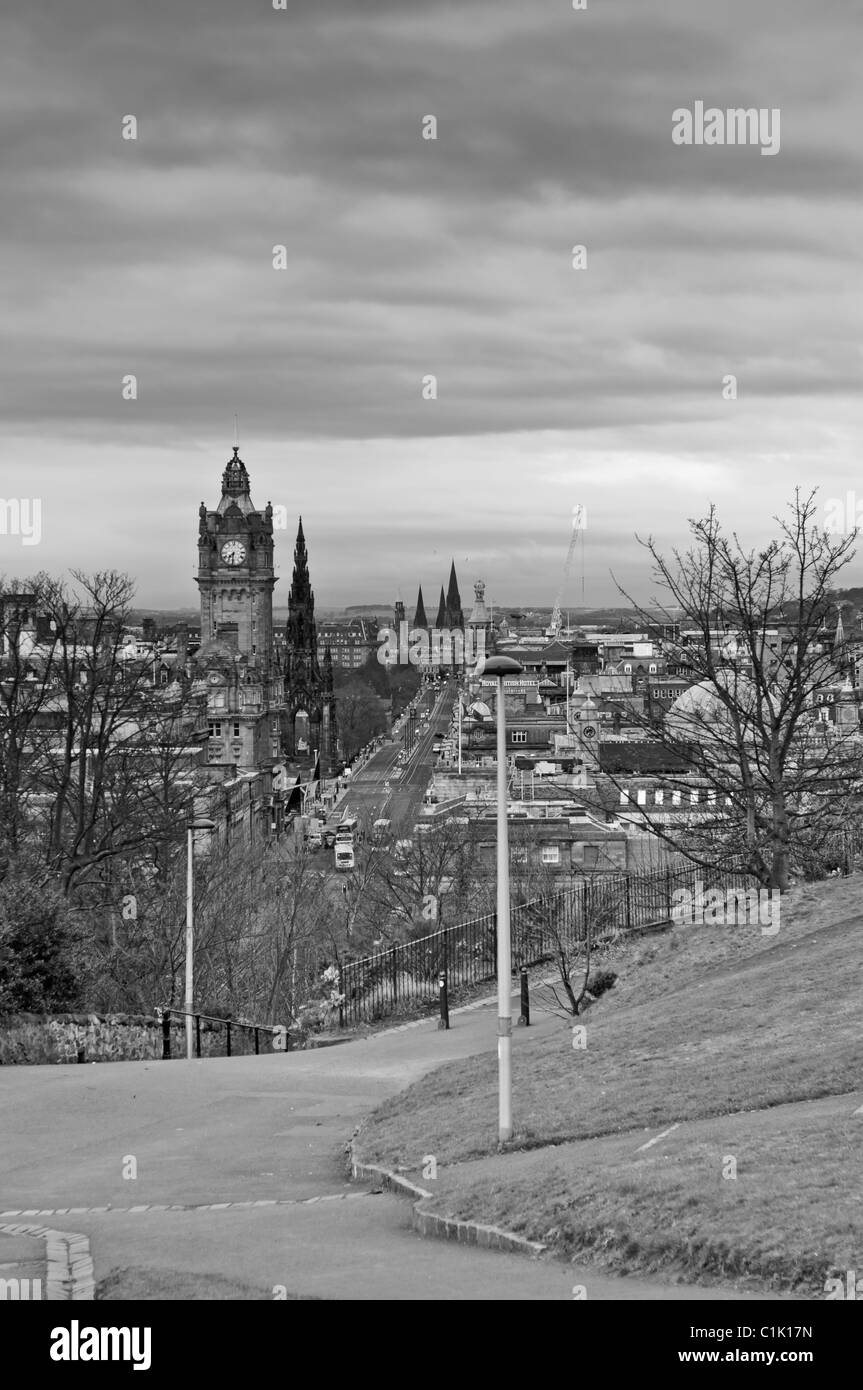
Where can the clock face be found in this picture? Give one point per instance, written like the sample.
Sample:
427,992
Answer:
588,731
233,552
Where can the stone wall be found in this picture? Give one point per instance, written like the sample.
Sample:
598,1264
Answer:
34,1039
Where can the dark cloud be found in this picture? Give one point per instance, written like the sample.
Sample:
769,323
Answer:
409,257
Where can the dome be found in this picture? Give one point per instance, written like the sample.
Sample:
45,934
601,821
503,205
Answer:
700,715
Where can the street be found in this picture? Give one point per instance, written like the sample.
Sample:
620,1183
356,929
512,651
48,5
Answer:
368,797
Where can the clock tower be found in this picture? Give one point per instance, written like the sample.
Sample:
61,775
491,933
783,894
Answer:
236,580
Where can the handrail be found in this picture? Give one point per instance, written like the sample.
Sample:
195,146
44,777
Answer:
213,1018
163,1015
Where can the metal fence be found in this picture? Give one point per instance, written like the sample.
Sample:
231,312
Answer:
217,1037
406,976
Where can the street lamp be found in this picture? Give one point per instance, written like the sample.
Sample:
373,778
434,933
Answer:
501,667
198,823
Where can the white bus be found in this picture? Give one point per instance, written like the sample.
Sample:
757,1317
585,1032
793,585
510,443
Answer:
346,832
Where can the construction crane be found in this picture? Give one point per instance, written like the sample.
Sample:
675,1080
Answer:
578,524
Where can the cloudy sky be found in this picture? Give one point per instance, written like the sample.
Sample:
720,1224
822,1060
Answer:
409,257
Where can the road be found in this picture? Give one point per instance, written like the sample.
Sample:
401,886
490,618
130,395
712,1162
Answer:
381,790
239,1186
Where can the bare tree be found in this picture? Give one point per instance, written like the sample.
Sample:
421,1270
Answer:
570,929
752,637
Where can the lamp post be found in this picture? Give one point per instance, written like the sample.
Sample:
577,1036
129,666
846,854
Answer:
198,823
458,695
501,667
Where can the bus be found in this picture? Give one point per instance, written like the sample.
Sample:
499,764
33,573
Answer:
346,834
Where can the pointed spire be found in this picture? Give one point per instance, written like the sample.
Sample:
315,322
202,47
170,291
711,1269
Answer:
420,619
452,592
300,633
441,622
301,559
453,601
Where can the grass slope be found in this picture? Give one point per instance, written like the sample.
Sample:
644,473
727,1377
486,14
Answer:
705,1022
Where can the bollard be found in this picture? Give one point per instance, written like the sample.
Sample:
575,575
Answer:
524,1019
443,1021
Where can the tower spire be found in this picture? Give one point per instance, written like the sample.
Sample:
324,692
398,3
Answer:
453,601
441,622
235,479
420,619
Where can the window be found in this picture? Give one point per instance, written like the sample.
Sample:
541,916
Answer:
215,729
519,735
236,728
652,670
519,854
551,854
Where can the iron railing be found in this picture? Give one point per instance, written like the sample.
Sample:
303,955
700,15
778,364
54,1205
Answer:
248,1035
407,975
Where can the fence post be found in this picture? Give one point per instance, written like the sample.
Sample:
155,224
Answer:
524,1019
166,1036
443,1021
197,1035
228,1025
394,973
257,1049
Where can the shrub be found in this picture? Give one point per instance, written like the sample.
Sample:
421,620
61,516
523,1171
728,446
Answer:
600,981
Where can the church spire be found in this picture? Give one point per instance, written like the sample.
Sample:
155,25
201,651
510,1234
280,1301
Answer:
453,602
420,619
441,622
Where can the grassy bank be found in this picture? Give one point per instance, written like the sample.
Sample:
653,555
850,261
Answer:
704,1023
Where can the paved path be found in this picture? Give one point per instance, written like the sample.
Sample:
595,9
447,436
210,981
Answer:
263,1138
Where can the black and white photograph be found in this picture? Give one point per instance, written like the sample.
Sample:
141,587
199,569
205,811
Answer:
431,674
